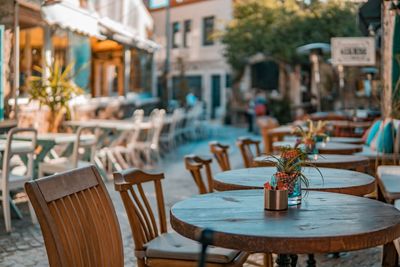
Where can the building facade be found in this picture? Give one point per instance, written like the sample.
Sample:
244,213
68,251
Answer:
197,64
109,43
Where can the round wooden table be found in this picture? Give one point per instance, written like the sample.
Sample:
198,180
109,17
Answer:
347,162
326,148
323,223
334,180
347,140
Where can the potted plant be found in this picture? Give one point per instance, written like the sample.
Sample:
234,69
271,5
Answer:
275,196
310,136
54,92
289,172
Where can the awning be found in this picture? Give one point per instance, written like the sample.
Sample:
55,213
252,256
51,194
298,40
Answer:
119,33
72,18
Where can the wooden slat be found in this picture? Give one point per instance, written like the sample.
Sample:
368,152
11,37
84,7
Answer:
78,220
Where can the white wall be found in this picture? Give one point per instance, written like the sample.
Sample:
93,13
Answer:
199,60
131,13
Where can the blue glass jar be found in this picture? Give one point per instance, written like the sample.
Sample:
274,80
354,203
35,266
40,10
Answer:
294,196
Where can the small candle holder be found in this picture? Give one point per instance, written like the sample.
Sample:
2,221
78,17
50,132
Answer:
275,199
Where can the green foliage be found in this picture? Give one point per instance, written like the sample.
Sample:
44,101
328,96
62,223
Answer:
57,90
291,161
280,109
276,28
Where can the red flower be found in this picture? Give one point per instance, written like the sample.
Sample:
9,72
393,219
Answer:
289,154
267,186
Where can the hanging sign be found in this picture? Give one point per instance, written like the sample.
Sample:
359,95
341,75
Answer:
353,51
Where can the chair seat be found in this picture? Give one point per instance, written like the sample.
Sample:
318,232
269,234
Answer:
17,181
60,165
175,246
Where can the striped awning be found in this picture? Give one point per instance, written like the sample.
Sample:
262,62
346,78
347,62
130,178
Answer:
72,18
119,33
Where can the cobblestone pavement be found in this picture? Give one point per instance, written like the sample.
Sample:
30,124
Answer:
24,247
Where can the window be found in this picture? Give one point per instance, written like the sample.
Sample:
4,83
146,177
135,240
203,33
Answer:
187,28
228,81
208,29
175,34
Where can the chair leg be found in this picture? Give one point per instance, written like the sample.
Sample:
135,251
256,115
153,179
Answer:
32,212
268,260
40,172
6,211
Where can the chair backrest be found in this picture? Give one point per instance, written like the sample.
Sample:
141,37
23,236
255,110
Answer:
157,126
133,136
220,153
138,115
194,164
245,146
141,215
77,218
11,150
85,144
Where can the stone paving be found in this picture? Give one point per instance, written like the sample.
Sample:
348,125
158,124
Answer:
24,247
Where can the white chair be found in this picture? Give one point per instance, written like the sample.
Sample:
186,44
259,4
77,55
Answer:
10,181
168,138
68,163
150,148
124,155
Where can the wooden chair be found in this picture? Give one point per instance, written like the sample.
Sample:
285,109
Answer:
11,181
77,218
153,245
194,164
68,163
245,146
220,153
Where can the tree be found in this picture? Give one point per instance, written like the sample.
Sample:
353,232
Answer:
276,28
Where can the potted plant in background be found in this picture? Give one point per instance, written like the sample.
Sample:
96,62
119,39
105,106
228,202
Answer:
54,92
311,135
289,172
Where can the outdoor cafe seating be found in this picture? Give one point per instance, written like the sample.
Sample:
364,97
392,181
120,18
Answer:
79,163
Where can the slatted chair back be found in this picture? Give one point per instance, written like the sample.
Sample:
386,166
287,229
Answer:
195,164
9,152
77,218
249,149
141,214
137,118
85,144
220,153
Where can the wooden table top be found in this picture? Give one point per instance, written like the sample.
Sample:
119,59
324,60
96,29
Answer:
347,162
323,223
16,146
389,182
326,148
57,138
120,125
348,140
334,180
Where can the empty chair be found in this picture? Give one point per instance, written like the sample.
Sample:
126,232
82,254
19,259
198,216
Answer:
195,164
249,148
154,246
68,163
11,181
168,138
77,218
220,153
123,155
150,148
